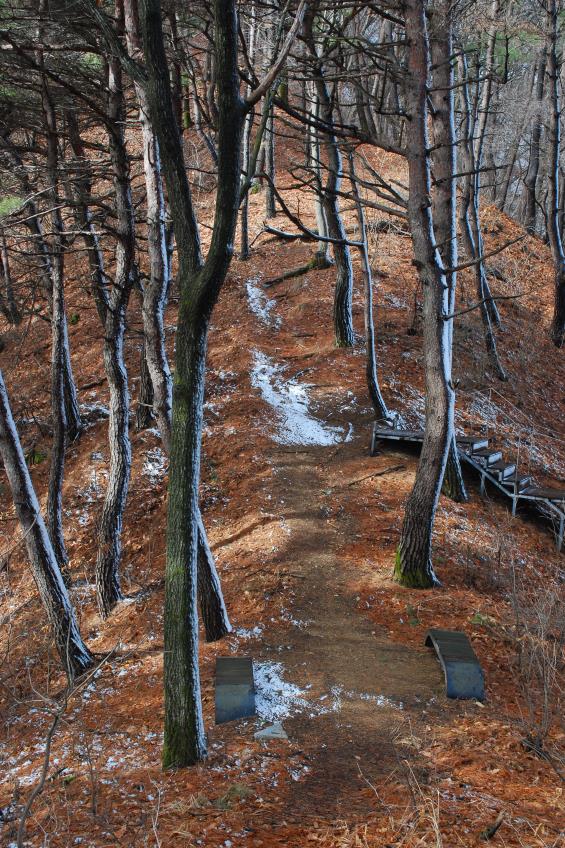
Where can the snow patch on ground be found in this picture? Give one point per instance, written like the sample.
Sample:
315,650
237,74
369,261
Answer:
90,494
290,400
261,305
154,465
251,633
275,698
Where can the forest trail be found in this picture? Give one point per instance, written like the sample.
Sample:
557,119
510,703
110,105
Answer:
367,689
377,685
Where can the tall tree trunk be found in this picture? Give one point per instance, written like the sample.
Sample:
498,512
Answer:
54,512
184,741
444,197
244,251
414,562
155,289
554,132
343,297
270,169
379,405
322,252
74,654
108,589
531,179
470,223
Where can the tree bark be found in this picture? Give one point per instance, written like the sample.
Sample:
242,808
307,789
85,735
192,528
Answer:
444,197
200,283
379,405
531,179
74,654
155,289
343,297
54,512
413,565
554,131
108,589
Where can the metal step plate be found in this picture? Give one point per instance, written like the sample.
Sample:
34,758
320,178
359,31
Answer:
463,674
235,688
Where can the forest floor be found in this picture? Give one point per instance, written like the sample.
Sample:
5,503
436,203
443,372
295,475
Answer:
304,526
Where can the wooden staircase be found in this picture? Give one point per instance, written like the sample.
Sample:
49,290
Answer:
490,465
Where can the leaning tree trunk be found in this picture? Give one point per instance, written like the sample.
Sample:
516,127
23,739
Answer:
108,589
414,562
74,654
444,198
553,229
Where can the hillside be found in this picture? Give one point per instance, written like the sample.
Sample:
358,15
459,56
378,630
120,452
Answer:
304,526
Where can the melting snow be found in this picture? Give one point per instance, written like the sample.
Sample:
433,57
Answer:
261,305
290,401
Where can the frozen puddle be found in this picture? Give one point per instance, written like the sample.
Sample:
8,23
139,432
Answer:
289,399
261,305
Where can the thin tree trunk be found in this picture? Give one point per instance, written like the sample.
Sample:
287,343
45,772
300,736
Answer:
8,305
379,405
184,741
54,511
144,411
74,654
444,197
470,224
244,251
322,253
33,223
155,289
343,297
108,589
270,201
414,562
531,179
554,131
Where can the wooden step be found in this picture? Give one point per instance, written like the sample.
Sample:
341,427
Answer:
471,442
522,482
502,469
488,454
555,495
400,435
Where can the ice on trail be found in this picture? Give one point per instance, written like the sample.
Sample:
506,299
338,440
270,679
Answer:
260,304
289,399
